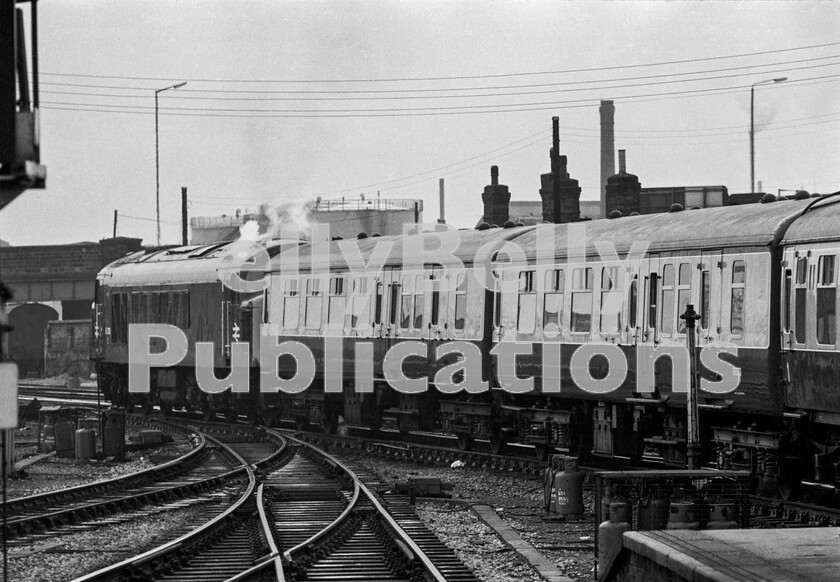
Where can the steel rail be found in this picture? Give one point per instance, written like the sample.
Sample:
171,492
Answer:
405,542
118,571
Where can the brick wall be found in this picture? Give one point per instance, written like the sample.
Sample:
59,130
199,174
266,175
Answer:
67,347
53,262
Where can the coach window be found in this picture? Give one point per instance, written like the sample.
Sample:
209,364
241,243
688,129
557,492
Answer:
683,294
632,300
419,293
667,324
582,283
800,298
434,279
826,300
119,318
395,301
291,303
653,300
610,300
360,299
337,302
736,313
165,306
553,300
377,304
266,297
314,303
405,307
788,291
461,302
527,309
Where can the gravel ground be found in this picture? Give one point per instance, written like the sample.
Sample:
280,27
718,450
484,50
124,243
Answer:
518,500
55,472
70,556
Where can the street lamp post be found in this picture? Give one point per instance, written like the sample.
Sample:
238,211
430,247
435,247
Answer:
752,126
157,156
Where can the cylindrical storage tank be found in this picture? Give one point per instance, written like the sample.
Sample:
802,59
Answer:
85,443
65,440
114,442
682,516
569,486
653,511
722,516
610,535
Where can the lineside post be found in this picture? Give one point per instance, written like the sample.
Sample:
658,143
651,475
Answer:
693,437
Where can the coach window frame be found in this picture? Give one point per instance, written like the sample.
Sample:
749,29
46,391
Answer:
314,309
611,290
668,294
826,286
526,303
683,293
338,296
583,287
800,299
291,303
555,282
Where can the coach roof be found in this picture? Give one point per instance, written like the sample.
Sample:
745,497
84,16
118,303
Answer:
723,227
820,223
401,250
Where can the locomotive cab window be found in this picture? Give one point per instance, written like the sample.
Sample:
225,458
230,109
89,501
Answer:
736,310
553,300
611,299
582,282
826,300
527,309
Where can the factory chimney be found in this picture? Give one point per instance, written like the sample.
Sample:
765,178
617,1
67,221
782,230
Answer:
560,194
607,111
442,219
623,190
496,199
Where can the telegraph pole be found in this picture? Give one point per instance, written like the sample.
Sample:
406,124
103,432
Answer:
184,216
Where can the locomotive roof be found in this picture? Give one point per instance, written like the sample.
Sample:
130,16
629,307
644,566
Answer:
403,249
820,223
748,225
178,265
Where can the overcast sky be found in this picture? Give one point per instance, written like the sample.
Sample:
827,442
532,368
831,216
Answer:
287,101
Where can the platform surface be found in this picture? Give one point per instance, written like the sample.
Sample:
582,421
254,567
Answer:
804,554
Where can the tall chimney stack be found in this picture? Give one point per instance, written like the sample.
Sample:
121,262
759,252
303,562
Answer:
623,190
560,194
607,111
496,199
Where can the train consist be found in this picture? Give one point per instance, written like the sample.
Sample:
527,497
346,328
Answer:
498,343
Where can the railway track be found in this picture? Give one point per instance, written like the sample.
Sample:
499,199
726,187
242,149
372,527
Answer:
77,508
329,524
226,545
